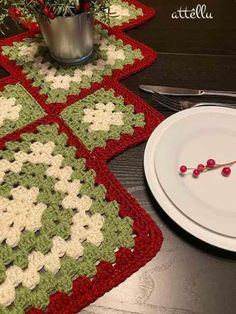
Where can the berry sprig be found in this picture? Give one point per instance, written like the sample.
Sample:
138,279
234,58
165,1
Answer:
34,10
14,13
50,14
210,165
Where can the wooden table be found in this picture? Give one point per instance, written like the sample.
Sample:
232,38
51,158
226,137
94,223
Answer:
187,276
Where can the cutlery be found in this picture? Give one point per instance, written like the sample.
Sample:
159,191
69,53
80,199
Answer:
175,91
178,105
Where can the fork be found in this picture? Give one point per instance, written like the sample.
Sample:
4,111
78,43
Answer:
178,105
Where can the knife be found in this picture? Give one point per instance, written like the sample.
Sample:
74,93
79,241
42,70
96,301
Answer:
175,91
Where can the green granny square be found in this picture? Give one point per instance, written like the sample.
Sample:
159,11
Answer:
101,116
56,223
121,12
18,108
58,81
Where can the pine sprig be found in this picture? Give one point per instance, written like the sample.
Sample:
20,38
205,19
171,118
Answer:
35,9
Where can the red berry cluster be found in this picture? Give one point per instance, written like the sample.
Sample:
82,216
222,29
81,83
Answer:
45,10
14,13
210,165
86,5
49,13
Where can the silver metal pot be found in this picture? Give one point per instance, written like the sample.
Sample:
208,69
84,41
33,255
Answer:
69,39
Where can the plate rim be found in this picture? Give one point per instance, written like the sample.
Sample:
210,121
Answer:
206,235
193,206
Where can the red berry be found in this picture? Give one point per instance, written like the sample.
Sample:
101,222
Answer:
51,15
226,171
31,26
18,13
196,173
14,12
46,11
211,163
200,167
183,169
86,5
41,2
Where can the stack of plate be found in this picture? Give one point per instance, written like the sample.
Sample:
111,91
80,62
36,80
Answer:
205,206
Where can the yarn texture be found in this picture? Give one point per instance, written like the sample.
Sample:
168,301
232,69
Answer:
69,232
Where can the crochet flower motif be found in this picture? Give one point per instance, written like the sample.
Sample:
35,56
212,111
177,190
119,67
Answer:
103,117
118,11
9,109
20,213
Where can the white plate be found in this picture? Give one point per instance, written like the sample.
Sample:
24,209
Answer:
192,139
219,240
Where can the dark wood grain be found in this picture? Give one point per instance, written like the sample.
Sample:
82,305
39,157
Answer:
216,36
187,276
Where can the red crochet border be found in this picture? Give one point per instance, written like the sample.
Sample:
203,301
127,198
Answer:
113,147
16,71
148,13
147,242
149,237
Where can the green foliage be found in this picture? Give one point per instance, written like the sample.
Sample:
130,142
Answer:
33,9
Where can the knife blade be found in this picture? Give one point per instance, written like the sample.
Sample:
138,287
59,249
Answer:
176,91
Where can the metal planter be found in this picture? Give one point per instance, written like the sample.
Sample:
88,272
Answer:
69,39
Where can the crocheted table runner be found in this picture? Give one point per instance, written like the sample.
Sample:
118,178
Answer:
69,231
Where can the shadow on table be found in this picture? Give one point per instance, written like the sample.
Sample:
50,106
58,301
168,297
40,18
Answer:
207,248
